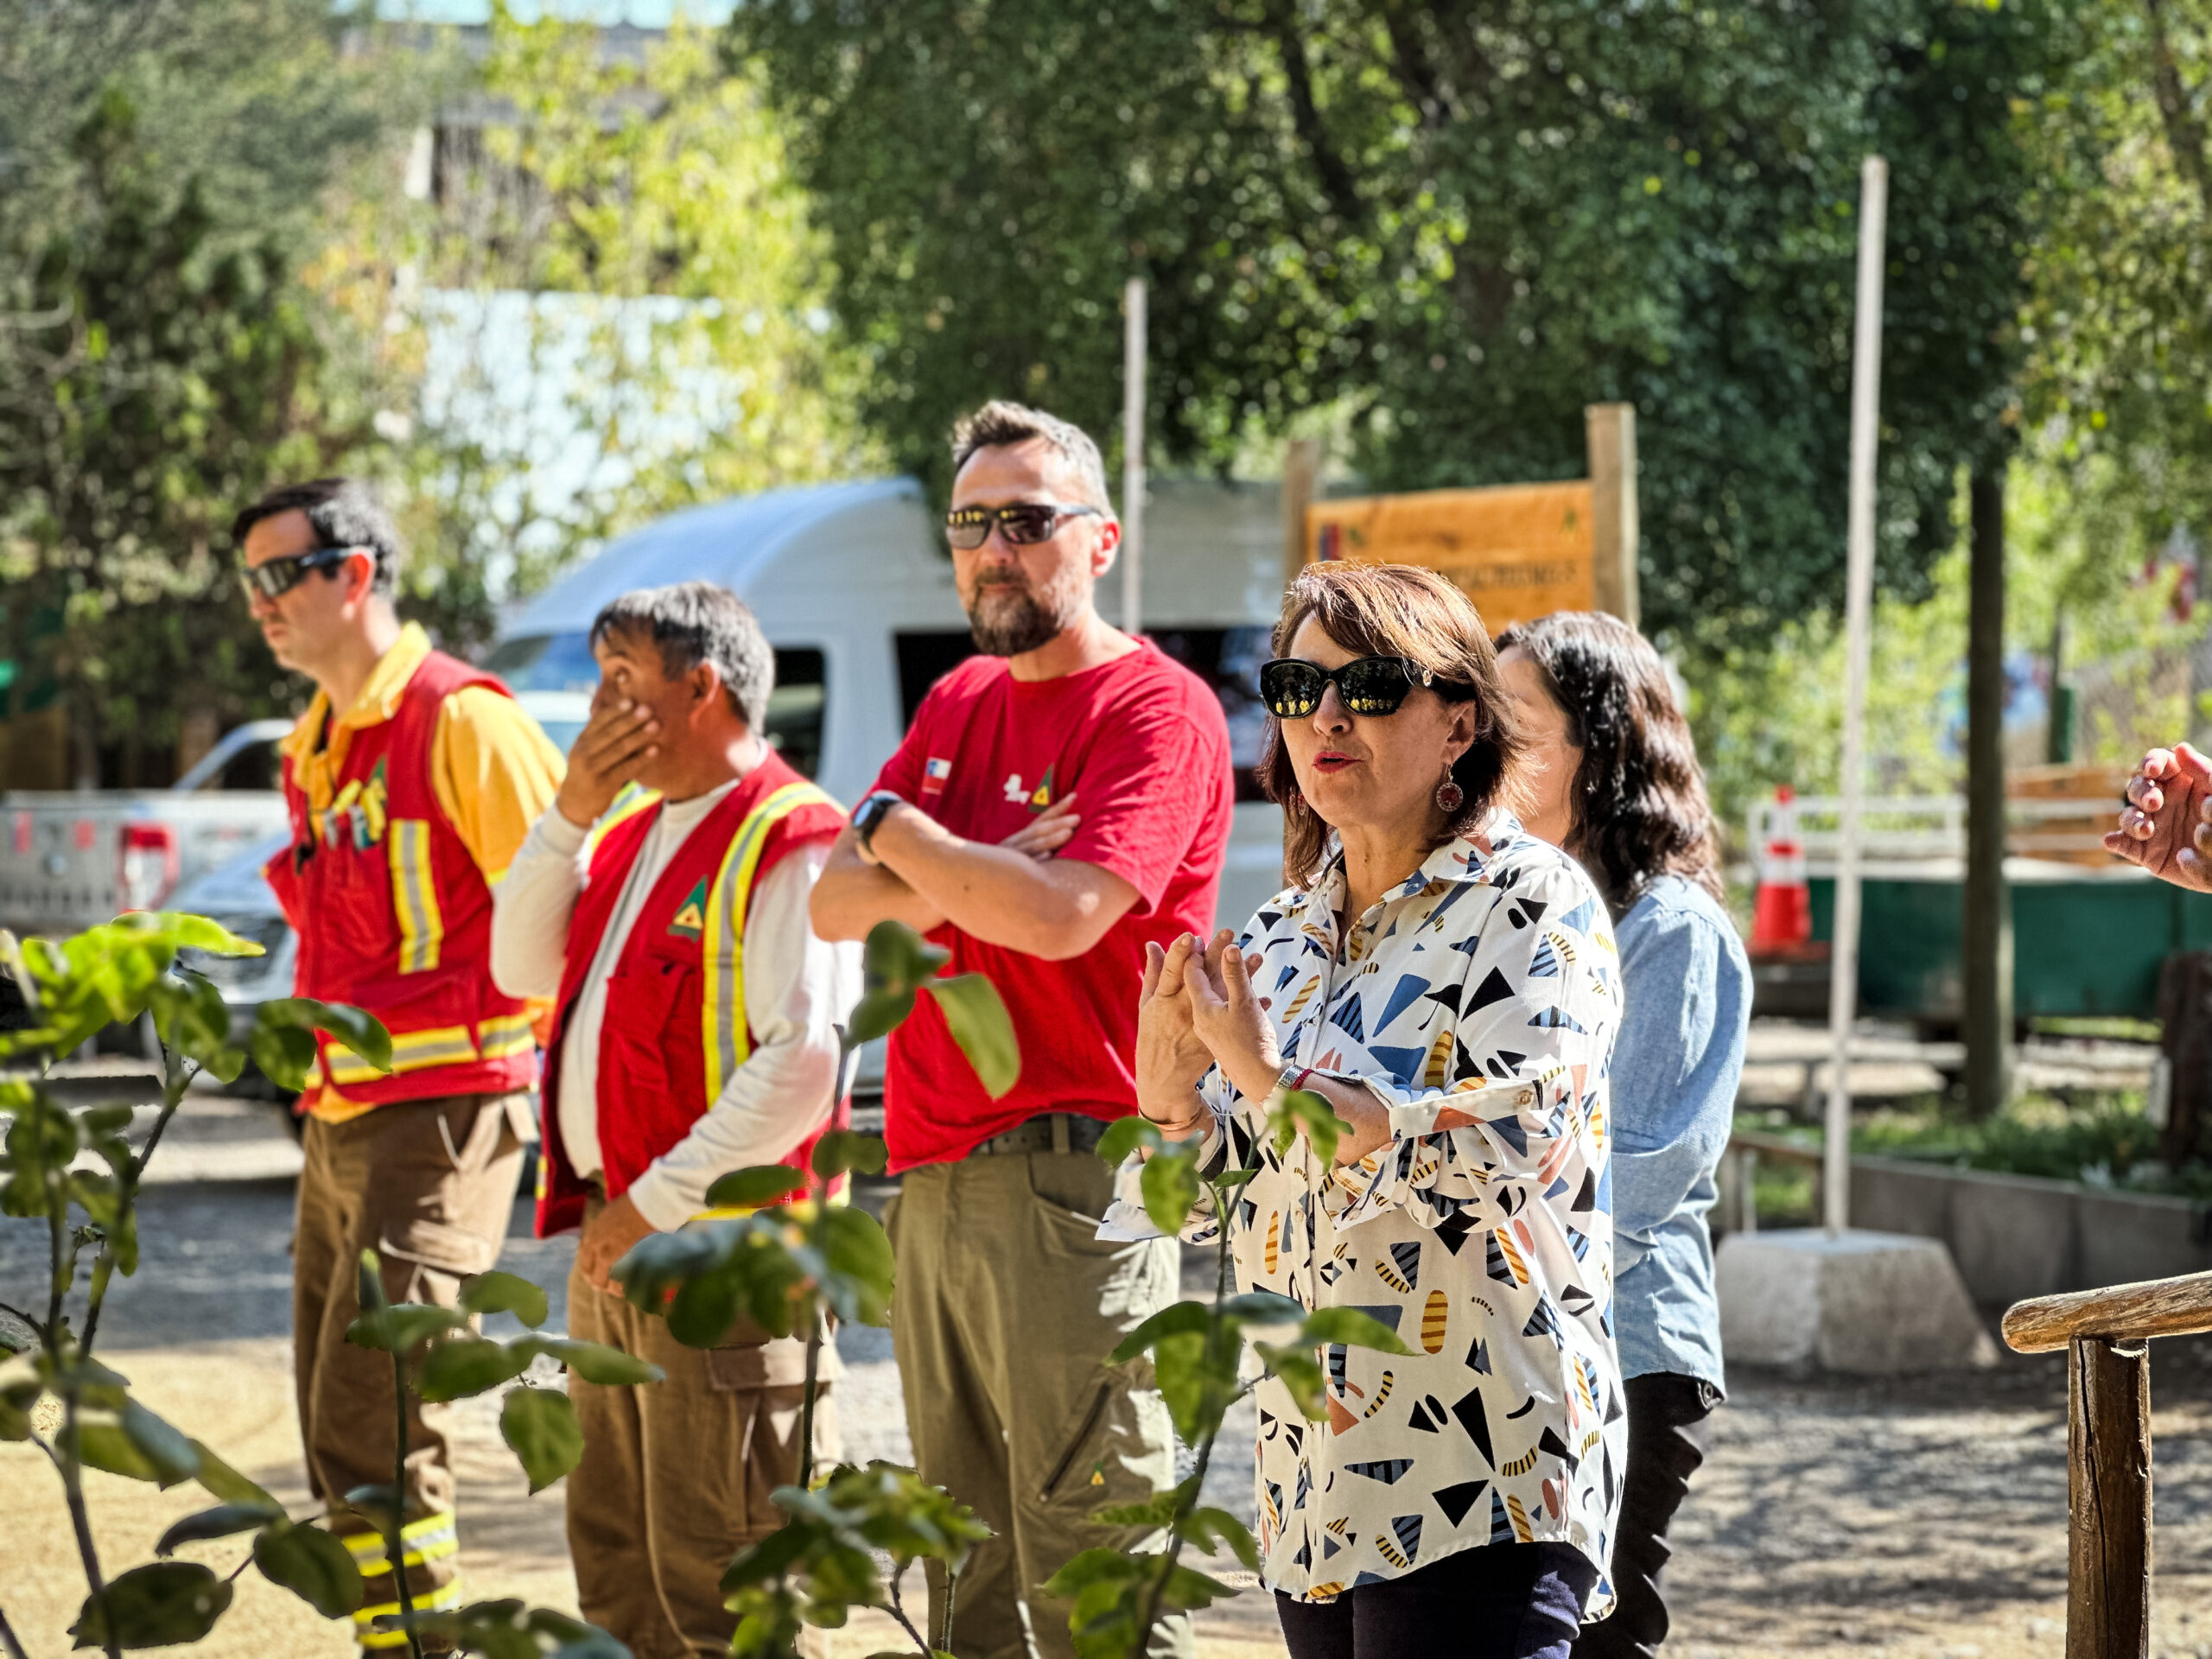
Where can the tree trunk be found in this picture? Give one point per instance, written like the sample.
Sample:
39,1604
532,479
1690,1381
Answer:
1988,921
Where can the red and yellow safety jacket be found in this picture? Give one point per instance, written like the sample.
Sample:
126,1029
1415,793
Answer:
394,916
674,1029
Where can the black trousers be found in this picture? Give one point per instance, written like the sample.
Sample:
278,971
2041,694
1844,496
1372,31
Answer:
1662,1410
1500,1601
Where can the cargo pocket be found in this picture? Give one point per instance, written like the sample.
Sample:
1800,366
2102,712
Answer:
1074,1465
425,1260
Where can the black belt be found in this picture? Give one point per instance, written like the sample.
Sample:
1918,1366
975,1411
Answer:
1054,1132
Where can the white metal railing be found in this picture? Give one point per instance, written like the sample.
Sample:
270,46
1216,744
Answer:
1935,826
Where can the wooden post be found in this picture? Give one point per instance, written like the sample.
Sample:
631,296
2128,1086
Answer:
1609,433
1132,350
1301,472
1988,944
2108,1499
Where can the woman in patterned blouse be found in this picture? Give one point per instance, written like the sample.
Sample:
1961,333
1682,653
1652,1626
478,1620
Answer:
1448,983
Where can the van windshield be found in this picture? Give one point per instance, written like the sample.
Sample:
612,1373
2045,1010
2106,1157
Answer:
564,662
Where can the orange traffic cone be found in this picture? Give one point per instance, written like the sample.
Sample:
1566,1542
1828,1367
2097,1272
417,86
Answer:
1782,914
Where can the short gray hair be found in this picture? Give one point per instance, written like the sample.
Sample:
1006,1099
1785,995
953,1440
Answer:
998,424
696,622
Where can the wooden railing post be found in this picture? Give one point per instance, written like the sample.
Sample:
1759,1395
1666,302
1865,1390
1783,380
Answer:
2108,1496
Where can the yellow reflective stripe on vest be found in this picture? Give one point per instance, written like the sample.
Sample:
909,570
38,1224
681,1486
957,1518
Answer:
726,1043
630,800
415,896
411,1051
507,1034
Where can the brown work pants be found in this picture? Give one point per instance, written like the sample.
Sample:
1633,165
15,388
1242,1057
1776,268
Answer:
677,1475
1007,1306
429,1186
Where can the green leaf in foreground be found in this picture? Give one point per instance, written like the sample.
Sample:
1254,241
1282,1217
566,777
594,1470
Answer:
754,1186
221,1522
504,1293
312,1565
541,1426
161,1604
979,1024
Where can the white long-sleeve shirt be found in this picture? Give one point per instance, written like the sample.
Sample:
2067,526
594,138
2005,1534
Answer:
798,990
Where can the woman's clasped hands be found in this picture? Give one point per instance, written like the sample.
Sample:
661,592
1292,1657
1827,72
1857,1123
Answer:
1198,1010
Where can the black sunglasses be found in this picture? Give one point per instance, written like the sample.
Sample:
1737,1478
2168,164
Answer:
274,578
1291,688
1024,523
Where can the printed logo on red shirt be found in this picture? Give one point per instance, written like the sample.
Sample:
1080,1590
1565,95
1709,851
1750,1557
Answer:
935,774
691,918
1041,797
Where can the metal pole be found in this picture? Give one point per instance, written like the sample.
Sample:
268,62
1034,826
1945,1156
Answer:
1857,612
1132,456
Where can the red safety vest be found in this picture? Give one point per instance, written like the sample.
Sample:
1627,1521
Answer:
674,1029
394,917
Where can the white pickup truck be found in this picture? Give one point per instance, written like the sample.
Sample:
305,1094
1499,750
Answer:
72,858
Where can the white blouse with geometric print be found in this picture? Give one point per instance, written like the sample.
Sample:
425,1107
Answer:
1477,1002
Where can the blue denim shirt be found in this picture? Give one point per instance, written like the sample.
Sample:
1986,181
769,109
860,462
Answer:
1686,992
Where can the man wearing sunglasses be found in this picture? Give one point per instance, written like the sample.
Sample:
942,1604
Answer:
411,781
1116,760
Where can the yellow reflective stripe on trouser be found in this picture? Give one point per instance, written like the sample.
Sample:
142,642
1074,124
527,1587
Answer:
430,1539
433,1536
414,899
443,1600
726,1043
411,1051
506,1035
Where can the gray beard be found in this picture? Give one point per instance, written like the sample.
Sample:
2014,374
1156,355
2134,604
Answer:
1022,625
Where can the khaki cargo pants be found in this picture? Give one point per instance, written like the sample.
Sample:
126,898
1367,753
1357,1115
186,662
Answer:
677,1475
429,1186
1007,1306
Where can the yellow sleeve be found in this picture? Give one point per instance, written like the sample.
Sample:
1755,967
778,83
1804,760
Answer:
495,772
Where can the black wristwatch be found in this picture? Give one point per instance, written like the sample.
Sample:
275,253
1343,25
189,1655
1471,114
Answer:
872,810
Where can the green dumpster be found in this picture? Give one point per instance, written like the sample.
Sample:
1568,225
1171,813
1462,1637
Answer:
2085,940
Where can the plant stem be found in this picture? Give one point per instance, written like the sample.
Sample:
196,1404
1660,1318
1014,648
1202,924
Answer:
951,1594
175,1081
73,1486
397,1543
8,1638
806,1404
898,1609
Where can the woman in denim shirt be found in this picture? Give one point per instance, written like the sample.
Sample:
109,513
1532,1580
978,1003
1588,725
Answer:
1621,790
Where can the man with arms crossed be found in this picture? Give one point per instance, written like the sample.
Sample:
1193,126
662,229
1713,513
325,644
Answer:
411,781
663,900
1064,735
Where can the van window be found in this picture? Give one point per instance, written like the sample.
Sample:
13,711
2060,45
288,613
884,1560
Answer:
923,659
1228,660
564,662
795,708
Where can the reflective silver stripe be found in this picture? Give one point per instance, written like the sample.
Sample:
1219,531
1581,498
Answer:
415,901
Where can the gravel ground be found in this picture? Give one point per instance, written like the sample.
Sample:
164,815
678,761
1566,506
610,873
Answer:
1921,1517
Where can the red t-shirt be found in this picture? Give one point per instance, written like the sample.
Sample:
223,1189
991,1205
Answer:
1141,741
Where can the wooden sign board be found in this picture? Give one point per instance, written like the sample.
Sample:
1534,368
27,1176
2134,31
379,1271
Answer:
1519,551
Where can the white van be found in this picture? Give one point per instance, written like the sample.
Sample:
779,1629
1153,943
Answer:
854,589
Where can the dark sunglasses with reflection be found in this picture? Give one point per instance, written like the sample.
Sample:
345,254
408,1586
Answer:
1024,523
1291,687
274,578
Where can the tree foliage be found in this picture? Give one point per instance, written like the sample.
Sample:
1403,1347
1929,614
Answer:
622,308
159,361
1459,223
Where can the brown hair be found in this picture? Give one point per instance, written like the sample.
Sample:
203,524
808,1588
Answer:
1638,797
1398,610
999,424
